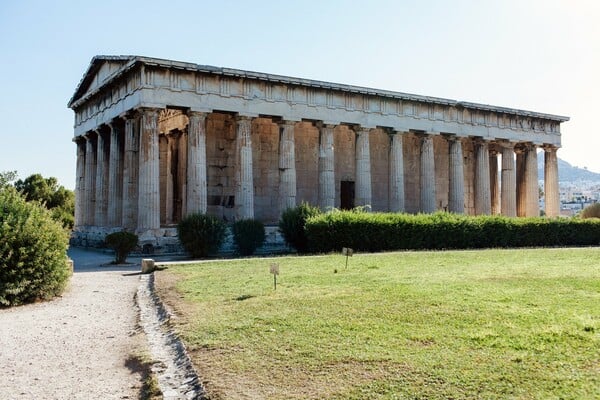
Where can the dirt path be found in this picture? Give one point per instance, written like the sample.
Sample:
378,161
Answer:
79,346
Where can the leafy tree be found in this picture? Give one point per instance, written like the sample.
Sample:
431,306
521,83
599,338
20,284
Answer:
48,192
6,177
591,211
33,251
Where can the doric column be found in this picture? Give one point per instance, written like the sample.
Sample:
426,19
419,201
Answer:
326,168
508,186
363,167
521,182
483,203
130,173
427,175
149,185
115,174
165,143
287,166
456,176
396,173
196,201
494,192
101,179
533,193
551,189
245,185
89,202
80,189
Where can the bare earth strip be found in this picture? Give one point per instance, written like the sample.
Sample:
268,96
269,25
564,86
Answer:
78,346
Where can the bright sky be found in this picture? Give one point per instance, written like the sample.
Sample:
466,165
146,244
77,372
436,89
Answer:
535,55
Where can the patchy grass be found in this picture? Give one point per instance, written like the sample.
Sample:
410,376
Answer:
141,363
493,324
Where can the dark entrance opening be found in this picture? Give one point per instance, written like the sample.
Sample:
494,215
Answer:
347,195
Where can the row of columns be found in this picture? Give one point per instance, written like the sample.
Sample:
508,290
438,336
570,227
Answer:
118,181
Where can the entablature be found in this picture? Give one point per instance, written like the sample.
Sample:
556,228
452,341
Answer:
160,83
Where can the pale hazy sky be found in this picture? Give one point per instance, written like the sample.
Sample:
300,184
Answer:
535,55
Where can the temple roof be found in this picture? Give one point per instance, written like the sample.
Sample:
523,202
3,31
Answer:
124,63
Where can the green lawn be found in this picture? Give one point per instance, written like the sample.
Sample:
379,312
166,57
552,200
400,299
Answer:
491,324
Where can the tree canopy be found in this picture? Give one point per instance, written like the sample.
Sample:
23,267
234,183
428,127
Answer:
59,200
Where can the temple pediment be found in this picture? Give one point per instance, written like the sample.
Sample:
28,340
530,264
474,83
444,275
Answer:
101,70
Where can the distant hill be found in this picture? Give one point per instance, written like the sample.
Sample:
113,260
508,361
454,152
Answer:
567,172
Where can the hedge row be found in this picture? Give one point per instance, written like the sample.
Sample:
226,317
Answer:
374,232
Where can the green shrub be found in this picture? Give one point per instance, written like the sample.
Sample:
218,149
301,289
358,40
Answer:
387,231
200,234
33,251
291,225
122,243
248,235
591,211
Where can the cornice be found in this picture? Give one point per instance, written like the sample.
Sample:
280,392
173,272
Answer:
133,61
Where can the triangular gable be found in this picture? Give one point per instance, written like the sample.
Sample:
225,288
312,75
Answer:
100,69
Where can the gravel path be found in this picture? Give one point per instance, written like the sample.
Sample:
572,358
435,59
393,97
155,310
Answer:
77,346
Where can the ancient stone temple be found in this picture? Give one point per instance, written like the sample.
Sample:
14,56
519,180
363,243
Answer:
158,139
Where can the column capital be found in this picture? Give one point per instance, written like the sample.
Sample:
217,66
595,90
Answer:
130,114
453,138
520,148
149,110
244,117
81,139
90,135
286,122
526,146
325,124
197,114
361,130
549,148
505,144
481,141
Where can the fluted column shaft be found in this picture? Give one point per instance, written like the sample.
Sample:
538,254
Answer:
89,205
115,173
287,166
396,173
363,168
533,194
80,183
508,197
101,180
326,168
521,182
149,185
427,198
551,189
245,186
494,189
483,204
196,201
456,177
130,174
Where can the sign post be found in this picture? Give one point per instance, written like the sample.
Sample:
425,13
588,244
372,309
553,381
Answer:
347,251
274,269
